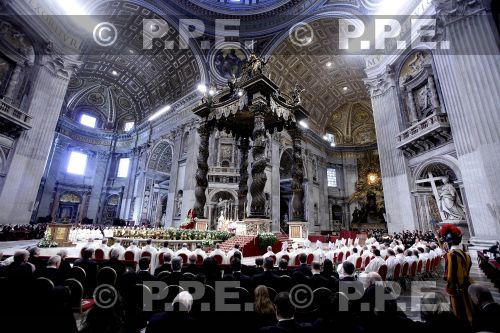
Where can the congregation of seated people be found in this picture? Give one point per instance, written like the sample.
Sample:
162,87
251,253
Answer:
61,297
22,231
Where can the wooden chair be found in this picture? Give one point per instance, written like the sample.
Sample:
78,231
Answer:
404,271
99,255
272,293
163,275
286,257
78,274
199,259
413,270
106,275
129,256
382,271
42,288
359,263
184,258
347,255
297,260
171,292
78,303
189,276
340,258
397,272
367,261
310,258
321,296
146,254
161,258
218,259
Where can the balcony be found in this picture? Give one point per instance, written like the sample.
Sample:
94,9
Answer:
425,135
12,120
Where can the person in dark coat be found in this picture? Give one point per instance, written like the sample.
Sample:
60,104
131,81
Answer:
90,268
167,264
179,317
487,315
303,268
191,267
52,271
64,266
317,280
236,275
266,278
35,259
285,312
143,275
175,277
115,263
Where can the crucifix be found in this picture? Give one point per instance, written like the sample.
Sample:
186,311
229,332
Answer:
432,180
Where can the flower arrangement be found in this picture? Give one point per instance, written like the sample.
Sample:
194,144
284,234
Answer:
47,240
266,239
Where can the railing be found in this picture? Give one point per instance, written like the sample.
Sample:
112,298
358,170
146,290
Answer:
423,127
14,114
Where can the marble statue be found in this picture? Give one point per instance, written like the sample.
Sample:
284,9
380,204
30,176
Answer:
221,221
296,94
449,202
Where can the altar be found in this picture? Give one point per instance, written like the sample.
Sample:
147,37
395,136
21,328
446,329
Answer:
248,109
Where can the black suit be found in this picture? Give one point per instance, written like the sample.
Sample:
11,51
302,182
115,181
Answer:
90,268
65,269
304,269
165,321
287,326
487,318
350,285
53,274
166,267
191,268
117,265
245,280
144,276
174,279
266,278
39,263
317,281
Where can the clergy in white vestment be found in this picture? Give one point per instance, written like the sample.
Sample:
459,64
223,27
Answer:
354,256
118,246
154,253
183,250
400,256
307,247
218,251
199,251
166,249
269,252
90,244
319,255
104,247
231,252
284,250
391,263
375,263
134,248
383,251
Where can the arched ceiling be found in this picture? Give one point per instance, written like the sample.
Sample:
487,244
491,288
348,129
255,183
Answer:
332,83
145,79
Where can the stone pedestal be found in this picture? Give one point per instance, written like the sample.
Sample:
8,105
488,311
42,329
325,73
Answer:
255,226
298,231
201,224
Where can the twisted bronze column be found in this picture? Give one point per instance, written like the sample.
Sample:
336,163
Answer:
242,185
297,177
257,208
202,172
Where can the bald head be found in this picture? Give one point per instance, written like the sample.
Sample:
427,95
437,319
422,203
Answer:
480,295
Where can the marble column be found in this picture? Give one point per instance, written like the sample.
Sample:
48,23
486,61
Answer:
243,183
297,177
173,188
27,166
259,178
275,184
394,169
470,84
202,172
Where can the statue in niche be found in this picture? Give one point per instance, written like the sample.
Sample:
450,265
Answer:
221,220
231,83
355,215
449,202
424,99
179,204
297,90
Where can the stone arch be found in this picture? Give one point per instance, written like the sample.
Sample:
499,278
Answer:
286,163
214,195
447,160
161,157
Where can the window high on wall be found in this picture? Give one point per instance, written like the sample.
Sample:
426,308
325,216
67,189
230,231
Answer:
88,120
331,175
77,163
123,167
128,126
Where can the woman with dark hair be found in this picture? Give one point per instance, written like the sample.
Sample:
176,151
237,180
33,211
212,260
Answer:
264,309
329,270
211,271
